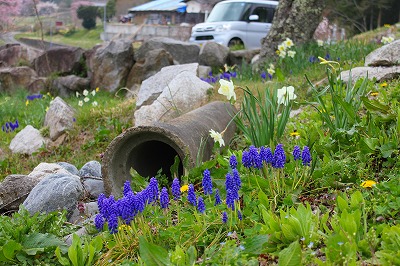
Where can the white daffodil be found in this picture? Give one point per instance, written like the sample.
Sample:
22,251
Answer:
285,95
77,94
282,54
86,99
94,103
80,103
291,53
93,92
85,93
281,47
320,43
227,88
217,137
288,43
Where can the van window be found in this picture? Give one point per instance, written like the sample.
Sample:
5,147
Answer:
265,14
227,12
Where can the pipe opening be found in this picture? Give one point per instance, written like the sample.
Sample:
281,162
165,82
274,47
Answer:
149,157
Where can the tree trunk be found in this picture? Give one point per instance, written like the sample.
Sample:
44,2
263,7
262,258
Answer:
294,19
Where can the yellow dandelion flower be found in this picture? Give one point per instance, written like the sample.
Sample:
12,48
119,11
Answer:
387,25
295,134
97,89
184,188
374,93
368,184
277,52
383,85
27,102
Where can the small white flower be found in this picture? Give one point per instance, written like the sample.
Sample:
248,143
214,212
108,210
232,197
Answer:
85,93
227,89
93,92
386,40
77,94
288,43
285,95
320,43
282,54
217,137
281,48
94,103
271,71
86,99
80,103
291,53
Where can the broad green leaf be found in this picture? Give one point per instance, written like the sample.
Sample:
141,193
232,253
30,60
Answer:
178,256
62,260
263,199
290,256
152,254
254,245
342,203
39,240
33,251
9,249
279,75
191,255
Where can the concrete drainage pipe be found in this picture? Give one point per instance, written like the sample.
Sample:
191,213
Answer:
147,149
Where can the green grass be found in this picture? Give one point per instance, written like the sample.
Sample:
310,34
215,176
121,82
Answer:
83,38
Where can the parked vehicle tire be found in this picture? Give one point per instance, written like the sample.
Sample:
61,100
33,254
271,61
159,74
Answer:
236,43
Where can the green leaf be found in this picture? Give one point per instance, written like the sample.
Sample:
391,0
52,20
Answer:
279,75
192,255
254,245
9,249
342,203
152,254
62,260
290,255
263,199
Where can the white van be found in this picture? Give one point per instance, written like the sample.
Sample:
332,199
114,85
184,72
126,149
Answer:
236,23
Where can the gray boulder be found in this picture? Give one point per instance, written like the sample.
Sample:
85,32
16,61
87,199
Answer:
54,192
59,118
13,191
69,167
213,54
90,169
241,57
182,52
12,55
152,87
61,60
111,64
93,186
68,85
12,78
27,141
154,61
45,169
182,94
387,55
380,73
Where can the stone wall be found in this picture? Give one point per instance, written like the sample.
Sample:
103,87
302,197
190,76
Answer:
145,32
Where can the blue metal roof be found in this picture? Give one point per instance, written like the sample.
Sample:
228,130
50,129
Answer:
160,5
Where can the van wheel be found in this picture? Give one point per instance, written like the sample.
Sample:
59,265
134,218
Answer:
236,44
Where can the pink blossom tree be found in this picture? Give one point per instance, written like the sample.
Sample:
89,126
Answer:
8,9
